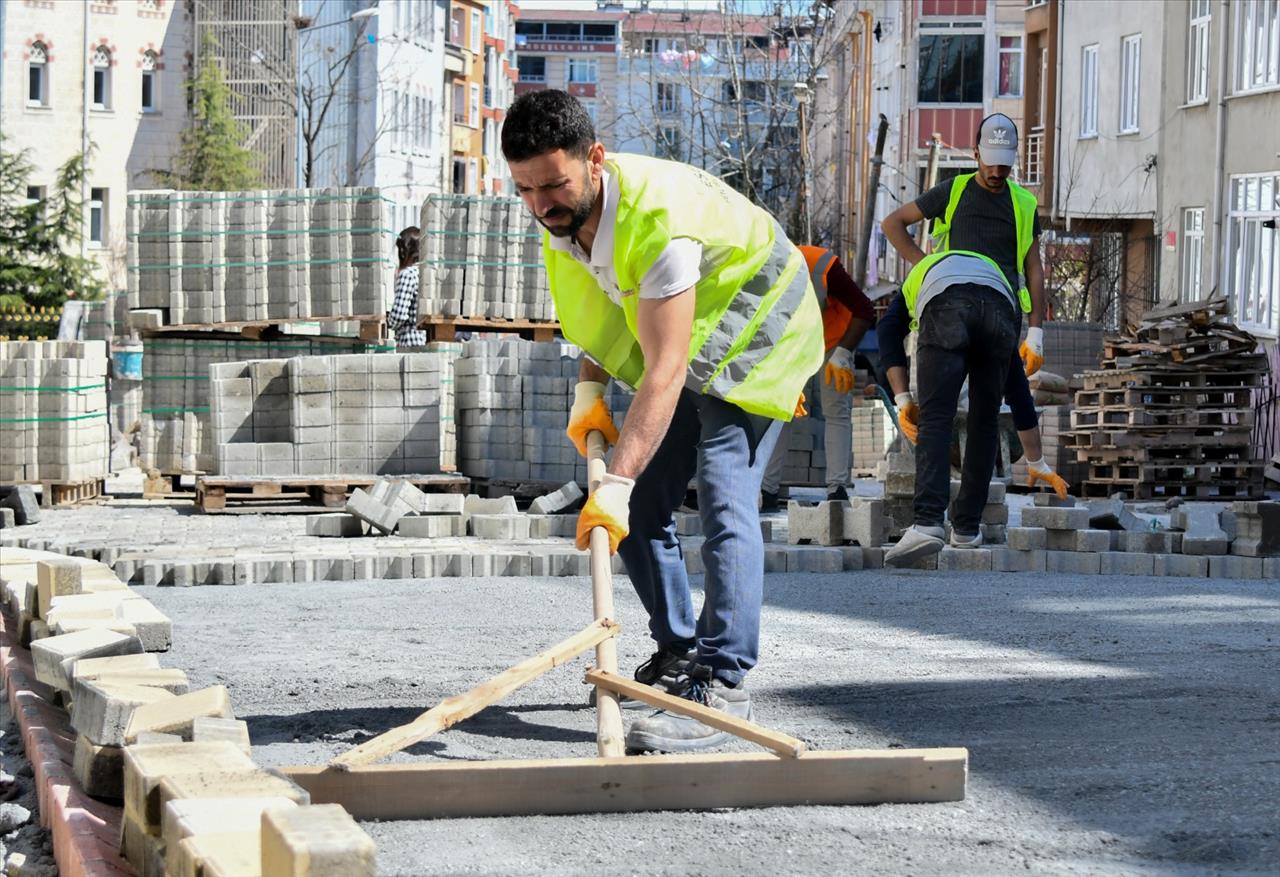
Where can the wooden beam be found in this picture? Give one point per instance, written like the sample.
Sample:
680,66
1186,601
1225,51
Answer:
653,782
461,706
610,736
783,744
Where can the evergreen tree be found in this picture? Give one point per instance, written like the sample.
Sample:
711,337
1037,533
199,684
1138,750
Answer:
40,262
211,156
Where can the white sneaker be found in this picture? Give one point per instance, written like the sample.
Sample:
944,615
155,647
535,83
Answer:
916,544
959,541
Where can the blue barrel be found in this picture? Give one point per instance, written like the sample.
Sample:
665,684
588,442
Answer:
127,362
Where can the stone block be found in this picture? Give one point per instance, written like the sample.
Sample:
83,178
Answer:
1027,538
557,501
1121,563
1271,568
8,518
406,495
1181,565
1060,540
54,657
775,558
432,526
1055,518
1051,501
145,765
101,709
851,556
688,524
821,524
873,558
1149,541
220,854
145,852
1201,528
26,507
900,484
99,769
211,729
1142,522
1073,562
151,626
995,513
502,505
500,527
335,525
317,841
254,783
55,578
1093,540
864,522
964,559
1104,514
1231,566
1257,529
365,507
176,715
443,504
552,526
814,558
95,668
1009,560
994,534
183,818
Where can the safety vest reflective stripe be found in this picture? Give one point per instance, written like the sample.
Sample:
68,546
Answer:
818,273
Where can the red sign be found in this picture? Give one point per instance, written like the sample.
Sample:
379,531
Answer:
540,46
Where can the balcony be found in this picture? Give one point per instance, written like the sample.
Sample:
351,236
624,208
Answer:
1033,166
582,89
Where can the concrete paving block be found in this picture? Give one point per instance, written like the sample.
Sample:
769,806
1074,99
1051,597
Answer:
1104,514
455,565
175,715
223,853
994,534
821,524
152,626
693,564
443,504
101,708
96,668
170,679
814,558
503,505
1051,501
99,769
851,557
365,507
1010,560
55,578
1230,566
182,818
1201,526
1027,538
566,497
26,507
304,569
1055,518
1092,540
54,657
408,495
766,530
1149,541
205,785
335,525
1060,540
1121,563
1181,565
1271,568
775,558
1257,529
688,524
552,526
1143,522
432,526
317,841
499,527
399,566
1075,562
8,518
964,559
863,522
145,765
995,513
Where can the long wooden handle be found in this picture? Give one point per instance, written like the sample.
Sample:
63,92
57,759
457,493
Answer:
609,734
454,709
782,744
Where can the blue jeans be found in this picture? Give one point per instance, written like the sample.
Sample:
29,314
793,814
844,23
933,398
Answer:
728,449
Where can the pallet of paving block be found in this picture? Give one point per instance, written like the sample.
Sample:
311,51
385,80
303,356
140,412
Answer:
372,326
65,493
1142,490
1142,418
215,492
441,328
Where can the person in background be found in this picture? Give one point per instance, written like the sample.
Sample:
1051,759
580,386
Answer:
403,316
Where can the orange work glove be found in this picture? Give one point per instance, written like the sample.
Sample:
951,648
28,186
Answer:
908,416
839,370
590,412
1032,350
1040,471
800,411
610,507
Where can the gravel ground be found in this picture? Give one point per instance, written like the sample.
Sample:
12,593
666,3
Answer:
1115,725
25,847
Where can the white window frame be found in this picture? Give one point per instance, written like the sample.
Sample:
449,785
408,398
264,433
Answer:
589,64
39,61
1191,286
101,66
1257,45
1251,276
667,97
473,176
1089,91
459,112
473,107
1130,82
98,197
1001,51
149,64
1200,12
476,32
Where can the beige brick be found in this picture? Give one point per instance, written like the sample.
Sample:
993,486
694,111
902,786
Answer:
77,623
175,716
146,765
209,729
171,679
318,841
54,657
99,769
221,854
101,709
187,817
55,578
145,852
91,668
255,783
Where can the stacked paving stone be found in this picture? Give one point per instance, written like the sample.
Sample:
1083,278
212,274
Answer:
194,801
1055,425
481,257
176,432
354,414
53,411
513,400
213,257
872,434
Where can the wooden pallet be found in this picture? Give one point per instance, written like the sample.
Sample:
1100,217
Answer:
1175,378
54,494
214,492
168,485
1143,490
372,326
1163,398
1143,419
521,489
441,328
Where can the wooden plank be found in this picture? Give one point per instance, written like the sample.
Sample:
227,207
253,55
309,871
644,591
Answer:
782,744
654,782
610,735
454,709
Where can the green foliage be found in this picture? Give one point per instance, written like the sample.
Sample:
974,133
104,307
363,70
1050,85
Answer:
211,156
40,262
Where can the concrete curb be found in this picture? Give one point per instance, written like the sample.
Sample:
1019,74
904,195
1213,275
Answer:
86,832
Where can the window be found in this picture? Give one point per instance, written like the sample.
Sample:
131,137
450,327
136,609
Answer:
459,176
1198,53
1192,252
38,76
1257,44
102,78
950,70
97,216
1253,252
583,70
1089,91
473,117
475,32
459,104
457,24
149,93
668,142
1009,73
668,97
533,68
35,195
473,176
1130,77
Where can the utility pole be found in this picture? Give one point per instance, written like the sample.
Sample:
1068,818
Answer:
869,211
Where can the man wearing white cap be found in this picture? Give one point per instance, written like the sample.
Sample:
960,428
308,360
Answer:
966,299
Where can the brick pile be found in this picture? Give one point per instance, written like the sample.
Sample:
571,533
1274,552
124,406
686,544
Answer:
53,411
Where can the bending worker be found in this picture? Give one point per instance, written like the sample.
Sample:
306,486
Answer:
892,330
846,316
680,287
965,299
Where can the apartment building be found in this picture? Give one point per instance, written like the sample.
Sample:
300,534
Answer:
107,75
574,50
464,84
500,75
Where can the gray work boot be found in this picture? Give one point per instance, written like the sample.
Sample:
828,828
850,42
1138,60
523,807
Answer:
669,732
663,671
916,544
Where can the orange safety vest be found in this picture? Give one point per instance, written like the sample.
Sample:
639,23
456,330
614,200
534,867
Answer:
835,316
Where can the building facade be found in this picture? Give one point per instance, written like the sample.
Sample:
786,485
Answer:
500,75
465,87
577,51
106,77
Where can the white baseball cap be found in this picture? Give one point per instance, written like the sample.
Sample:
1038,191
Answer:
998,140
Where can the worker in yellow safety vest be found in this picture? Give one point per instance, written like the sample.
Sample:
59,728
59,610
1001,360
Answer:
677,286
965,300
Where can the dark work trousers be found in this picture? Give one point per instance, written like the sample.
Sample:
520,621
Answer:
968,330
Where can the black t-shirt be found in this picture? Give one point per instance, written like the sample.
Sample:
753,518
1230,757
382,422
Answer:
983,222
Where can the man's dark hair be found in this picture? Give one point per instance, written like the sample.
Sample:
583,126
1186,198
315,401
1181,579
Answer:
544,121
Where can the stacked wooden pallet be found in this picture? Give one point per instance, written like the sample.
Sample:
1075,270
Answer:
1170,411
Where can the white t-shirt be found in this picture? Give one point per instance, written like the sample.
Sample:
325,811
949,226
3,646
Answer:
678,267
